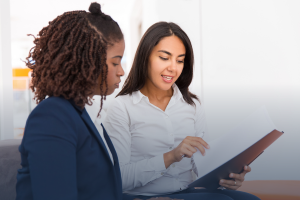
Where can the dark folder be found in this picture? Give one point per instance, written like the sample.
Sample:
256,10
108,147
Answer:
236,164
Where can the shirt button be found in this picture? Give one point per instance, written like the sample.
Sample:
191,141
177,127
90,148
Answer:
170,147
162,173
173,165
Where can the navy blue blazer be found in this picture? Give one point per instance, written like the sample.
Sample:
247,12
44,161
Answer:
64,157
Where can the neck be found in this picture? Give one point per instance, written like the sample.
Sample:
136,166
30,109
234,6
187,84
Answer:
153,92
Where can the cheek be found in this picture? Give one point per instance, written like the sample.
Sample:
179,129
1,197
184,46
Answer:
155,69
110,75
179,70
111,80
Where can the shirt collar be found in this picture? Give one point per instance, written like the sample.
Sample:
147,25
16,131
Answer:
177,94
137,95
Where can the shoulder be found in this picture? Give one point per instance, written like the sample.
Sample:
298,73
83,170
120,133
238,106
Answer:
199,109
53,115
121,101
55,101
124,98
53,121
55,106
197,102
119,108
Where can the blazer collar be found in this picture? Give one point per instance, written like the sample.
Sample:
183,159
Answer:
86,118
75,106
110,145
91,126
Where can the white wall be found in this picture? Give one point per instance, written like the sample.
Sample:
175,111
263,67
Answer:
6,95
247,54
251,57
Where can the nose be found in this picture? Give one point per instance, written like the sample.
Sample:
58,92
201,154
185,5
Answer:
120,71
172,66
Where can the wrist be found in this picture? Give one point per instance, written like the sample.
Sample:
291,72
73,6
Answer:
169,158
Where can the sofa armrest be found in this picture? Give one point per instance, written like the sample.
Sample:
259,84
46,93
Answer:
10,160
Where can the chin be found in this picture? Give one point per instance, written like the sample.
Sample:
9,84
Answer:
109,92
165,87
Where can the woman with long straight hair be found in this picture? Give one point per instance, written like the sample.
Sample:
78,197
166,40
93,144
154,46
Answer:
64,157
156,124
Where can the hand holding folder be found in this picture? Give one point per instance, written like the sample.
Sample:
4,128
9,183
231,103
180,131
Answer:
254,134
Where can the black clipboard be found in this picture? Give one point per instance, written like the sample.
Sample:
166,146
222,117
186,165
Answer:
236,164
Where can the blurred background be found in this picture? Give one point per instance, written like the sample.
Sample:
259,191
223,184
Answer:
247,54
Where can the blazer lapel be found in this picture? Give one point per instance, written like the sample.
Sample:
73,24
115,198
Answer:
86,118
117,176
110,145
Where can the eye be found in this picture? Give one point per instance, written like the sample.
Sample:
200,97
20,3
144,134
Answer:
115,64
180,61
163,58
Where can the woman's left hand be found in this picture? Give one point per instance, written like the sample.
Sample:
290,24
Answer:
237,181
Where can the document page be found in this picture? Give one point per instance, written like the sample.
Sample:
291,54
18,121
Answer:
222,149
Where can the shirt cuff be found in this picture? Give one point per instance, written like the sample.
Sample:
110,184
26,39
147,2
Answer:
194,166
158,163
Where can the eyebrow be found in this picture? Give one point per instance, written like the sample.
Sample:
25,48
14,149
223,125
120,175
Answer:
117,57
170,53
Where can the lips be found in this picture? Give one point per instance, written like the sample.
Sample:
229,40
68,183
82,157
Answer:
167,79
117,84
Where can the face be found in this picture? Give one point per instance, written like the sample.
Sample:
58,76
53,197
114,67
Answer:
115,70
166,63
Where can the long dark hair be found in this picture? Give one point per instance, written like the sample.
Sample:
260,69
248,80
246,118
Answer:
70,54
139,70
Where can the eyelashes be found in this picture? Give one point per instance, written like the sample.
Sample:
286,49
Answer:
163,58
179,61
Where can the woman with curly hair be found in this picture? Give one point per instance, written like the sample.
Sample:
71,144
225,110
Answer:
78,55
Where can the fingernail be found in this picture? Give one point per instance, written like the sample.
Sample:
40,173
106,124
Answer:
204,154
208,146
221,181
231,175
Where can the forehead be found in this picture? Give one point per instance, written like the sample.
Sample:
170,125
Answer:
116,49
172,44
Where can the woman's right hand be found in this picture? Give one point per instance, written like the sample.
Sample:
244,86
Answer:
186,148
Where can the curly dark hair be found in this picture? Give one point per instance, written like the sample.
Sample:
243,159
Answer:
70,54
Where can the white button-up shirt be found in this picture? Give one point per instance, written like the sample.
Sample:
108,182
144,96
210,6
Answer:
93,111
142,133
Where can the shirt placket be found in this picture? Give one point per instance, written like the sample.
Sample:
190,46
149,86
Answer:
173,170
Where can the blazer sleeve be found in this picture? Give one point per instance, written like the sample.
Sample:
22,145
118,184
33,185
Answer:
50,145
135,174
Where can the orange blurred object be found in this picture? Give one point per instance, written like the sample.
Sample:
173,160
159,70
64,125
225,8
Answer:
273,189
21,72
20,84
21,78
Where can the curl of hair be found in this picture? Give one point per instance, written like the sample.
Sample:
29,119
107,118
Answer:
67,59
95,8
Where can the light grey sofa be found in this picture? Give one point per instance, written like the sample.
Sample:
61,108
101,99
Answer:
10,160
